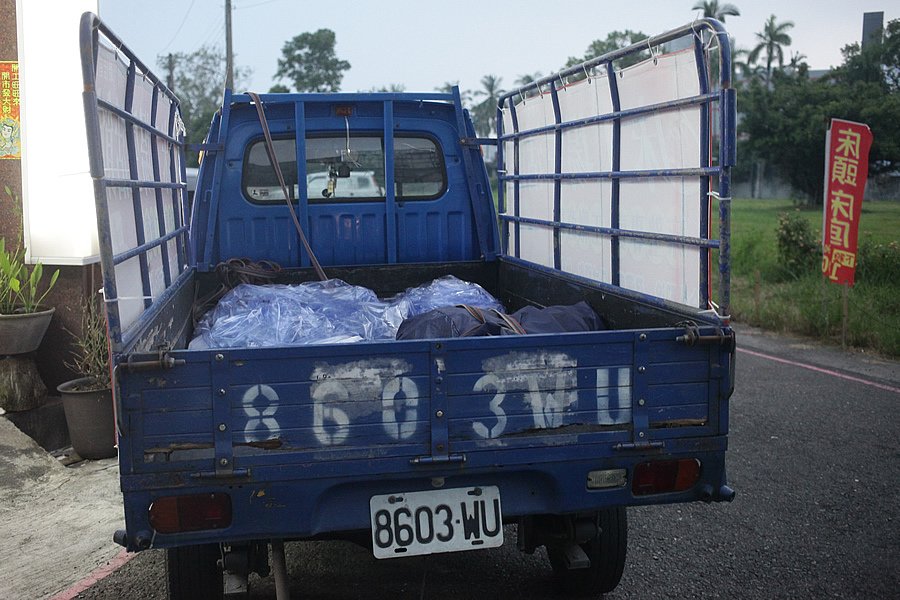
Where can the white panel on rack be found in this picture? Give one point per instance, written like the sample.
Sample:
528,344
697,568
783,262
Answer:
536,156
586,201
668,139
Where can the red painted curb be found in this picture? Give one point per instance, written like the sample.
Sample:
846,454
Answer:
99,573
831,372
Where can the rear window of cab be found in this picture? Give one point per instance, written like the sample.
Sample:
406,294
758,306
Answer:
339,169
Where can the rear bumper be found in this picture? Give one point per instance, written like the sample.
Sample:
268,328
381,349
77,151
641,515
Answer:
301,502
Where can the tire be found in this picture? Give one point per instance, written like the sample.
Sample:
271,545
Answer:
193,573
607,554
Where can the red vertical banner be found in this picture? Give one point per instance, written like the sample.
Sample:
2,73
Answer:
846,171
10,140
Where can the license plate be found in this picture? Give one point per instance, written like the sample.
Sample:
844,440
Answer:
416,523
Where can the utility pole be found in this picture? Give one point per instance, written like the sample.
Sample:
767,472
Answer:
170,67
229,55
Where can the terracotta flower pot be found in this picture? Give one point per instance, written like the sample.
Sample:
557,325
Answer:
90,418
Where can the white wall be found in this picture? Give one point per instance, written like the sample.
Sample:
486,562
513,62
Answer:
57,190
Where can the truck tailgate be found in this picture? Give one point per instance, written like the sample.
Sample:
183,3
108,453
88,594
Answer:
400,414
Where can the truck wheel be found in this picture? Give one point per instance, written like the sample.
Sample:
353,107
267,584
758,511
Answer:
193,573
607,555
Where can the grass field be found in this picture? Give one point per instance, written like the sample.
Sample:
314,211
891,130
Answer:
765,294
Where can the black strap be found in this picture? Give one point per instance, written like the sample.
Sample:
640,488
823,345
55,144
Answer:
232,273
511,324
270,150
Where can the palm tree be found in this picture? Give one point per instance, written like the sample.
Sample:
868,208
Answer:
772,40
798,61
392,88
485,112
739,63
528,78
465,96
712,8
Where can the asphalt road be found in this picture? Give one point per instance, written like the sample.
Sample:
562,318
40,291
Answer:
814,458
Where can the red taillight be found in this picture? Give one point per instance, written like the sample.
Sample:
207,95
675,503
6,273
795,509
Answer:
663,476
176,514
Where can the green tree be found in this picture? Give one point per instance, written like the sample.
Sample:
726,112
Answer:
784,123
392,88
279,88
712,8
615,40
199,81
740,62
465,96
873,74
878,63
528,78
484,114
309,63
772,41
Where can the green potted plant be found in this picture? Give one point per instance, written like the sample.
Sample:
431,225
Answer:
23,318
87,400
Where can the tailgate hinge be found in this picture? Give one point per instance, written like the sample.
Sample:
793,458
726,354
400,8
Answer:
235,474
163,361
438,460
626,446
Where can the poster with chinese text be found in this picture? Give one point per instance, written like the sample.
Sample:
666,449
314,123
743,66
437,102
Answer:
10,139
846,170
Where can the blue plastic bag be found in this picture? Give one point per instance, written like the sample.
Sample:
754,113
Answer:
442,292
323,312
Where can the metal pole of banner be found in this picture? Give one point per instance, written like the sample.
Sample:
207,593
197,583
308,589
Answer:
846,316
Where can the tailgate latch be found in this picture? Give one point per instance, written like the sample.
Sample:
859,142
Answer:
163,361
692,337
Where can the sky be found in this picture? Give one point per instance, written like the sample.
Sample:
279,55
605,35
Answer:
424,44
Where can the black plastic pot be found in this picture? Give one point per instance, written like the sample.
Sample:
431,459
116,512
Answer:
23,332
90,418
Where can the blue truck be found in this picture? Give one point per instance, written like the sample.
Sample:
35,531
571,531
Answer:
608,176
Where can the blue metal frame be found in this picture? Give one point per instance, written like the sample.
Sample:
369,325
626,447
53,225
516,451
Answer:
557,183
390,204
303,195
220,128
700,61
516,195
93,33
723,95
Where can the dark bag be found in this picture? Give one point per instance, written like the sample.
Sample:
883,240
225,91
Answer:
560,319
469,321
457,321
